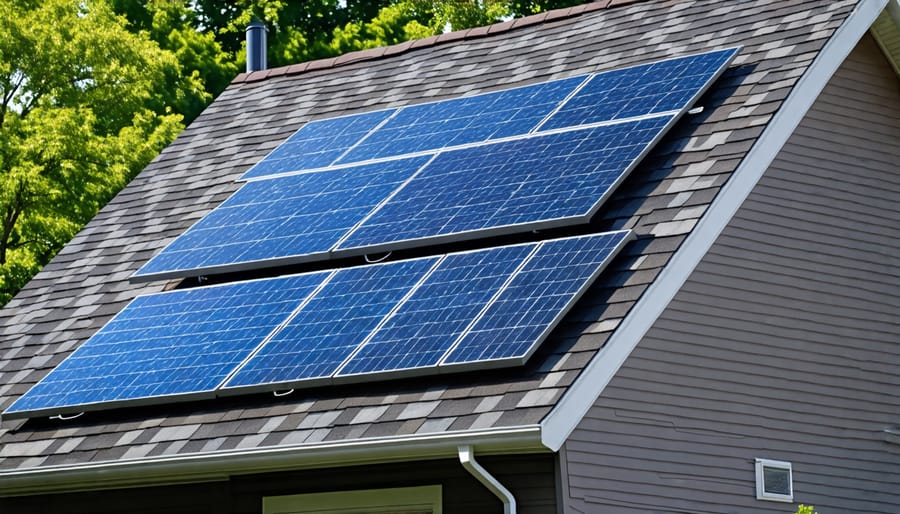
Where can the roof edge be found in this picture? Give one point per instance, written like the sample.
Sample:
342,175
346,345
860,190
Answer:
574,405
220,465
406,46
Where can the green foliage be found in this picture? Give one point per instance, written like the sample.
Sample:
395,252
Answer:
415,19
82,112
805,509
394,24
204,68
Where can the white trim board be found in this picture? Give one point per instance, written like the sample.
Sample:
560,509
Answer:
220,465
581,395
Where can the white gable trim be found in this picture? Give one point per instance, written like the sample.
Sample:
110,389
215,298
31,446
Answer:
572,407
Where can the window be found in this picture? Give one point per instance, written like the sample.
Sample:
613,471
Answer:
774,481
399,500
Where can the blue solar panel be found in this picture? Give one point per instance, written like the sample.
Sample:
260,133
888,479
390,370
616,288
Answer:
177,343
536,299
281,220
554,179
332,324
460,121
317,144
418,334
663,86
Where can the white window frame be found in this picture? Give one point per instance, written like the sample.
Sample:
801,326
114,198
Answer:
415,499
761,493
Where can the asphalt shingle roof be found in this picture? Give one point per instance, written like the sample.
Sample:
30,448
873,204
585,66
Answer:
87,283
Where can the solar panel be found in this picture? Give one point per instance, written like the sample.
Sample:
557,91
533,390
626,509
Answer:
179,343
282,220
557,175
536,298
417,335
659,87
436,125
317,144
331,325
543,181
487,307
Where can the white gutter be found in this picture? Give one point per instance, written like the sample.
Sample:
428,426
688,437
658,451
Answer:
467,459
218,466
582,394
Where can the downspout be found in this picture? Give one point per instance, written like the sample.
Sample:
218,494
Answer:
467,459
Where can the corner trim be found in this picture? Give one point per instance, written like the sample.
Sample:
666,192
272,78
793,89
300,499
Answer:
220,465
582,394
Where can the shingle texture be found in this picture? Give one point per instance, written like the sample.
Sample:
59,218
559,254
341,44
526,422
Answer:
87,282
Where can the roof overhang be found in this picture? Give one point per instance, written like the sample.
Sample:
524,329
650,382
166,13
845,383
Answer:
886,31
221,465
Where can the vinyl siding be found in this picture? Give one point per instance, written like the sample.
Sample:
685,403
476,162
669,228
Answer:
783,344
530,477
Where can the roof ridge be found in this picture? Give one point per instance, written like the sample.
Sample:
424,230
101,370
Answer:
472,33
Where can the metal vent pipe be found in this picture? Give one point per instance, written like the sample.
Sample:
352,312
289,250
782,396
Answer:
256,46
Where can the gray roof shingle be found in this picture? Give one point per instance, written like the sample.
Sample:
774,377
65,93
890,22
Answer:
87,282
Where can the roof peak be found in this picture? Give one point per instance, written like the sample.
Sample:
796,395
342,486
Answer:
399,48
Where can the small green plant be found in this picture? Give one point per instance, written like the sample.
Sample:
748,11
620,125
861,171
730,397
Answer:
805,509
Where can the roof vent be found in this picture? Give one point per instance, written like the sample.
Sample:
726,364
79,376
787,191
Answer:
256,46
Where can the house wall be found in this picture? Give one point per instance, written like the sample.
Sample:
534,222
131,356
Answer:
783,344
530,478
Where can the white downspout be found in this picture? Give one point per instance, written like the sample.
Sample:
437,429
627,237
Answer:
467,459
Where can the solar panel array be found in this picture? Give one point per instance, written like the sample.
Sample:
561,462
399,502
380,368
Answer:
361,323
517,160
505,162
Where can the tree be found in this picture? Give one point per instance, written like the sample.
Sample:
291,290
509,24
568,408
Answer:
81,112
204,67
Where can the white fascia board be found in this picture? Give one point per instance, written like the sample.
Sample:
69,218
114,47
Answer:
586,389
220,465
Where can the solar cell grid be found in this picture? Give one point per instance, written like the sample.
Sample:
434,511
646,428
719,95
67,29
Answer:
540,181
459,121
418,334
332,324
177,343
281,219
317,144
659,87
536,298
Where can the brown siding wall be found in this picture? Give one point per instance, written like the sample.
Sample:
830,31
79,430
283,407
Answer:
783,344
530,478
